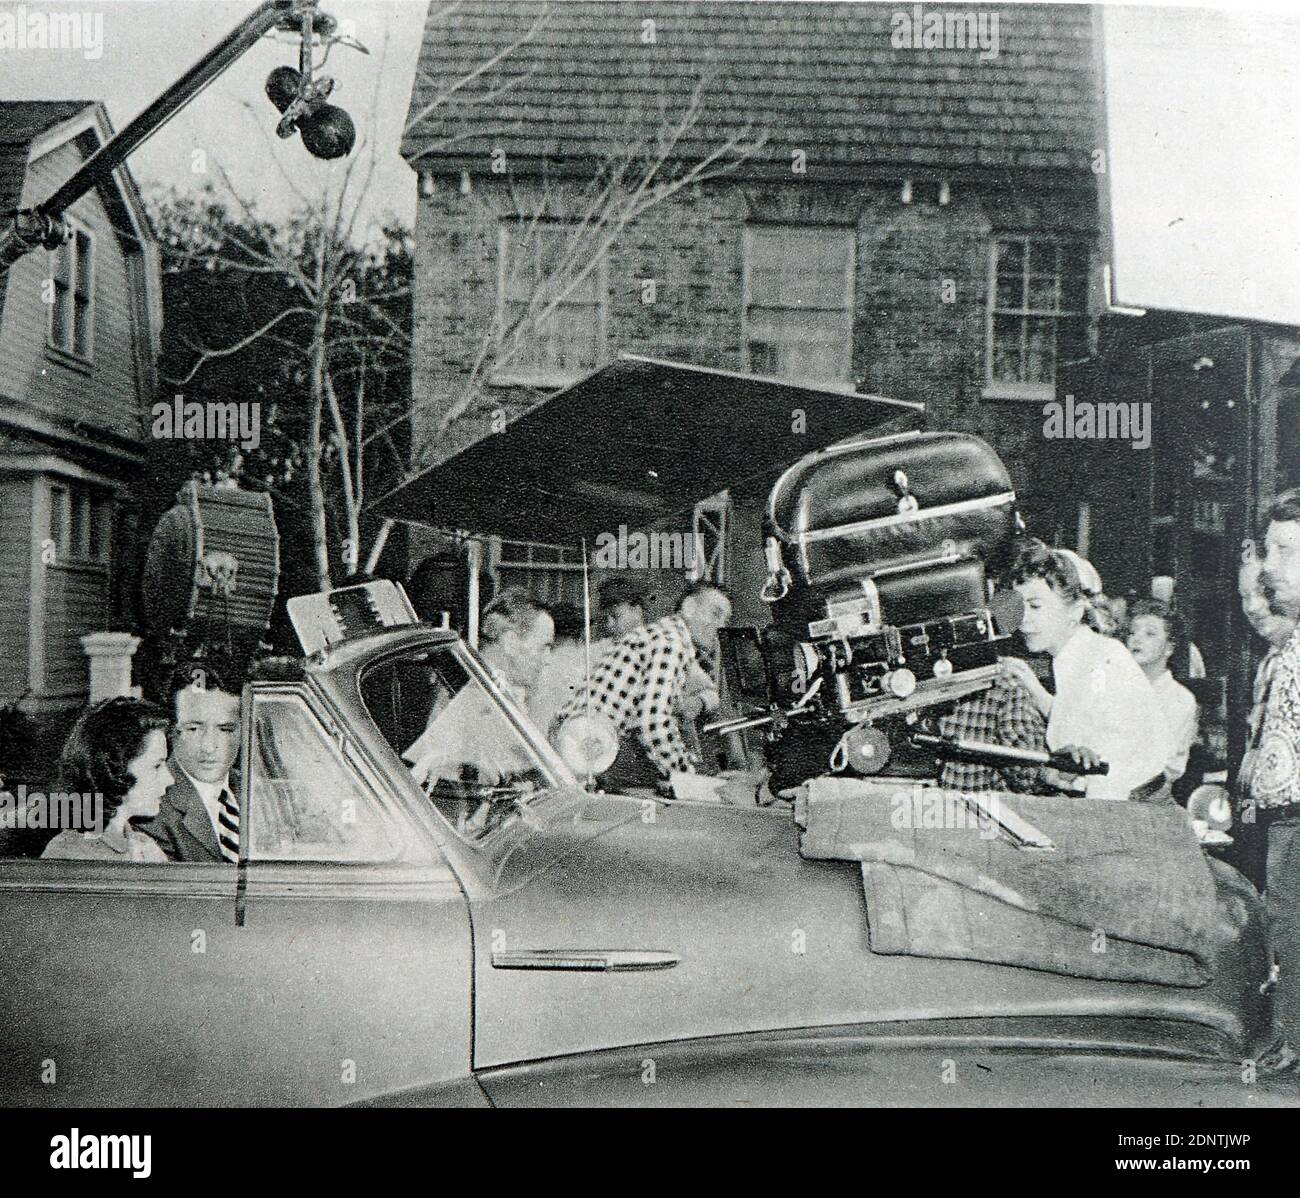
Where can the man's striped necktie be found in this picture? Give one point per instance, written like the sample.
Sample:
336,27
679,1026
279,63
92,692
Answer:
228,830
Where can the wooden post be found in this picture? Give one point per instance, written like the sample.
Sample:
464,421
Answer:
475,556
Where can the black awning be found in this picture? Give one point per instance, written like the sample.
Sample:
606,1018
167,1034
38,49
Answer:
632,443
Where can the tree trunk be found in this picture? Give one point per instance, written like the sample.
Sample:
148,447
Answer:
315,485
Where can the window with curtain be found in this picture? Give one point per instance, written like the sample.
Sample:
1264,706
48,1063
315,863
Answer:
557,305
799,302
1038,313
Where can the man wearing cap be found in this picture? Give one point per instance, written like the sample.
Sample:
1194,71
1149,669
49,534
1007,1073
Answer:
622,610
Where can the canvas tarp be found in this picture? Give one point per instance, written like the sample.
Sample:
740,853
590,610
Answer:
1127,893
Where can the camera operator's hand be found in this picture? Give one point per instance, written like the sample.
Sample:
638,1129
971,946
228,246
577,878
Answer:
1017,671
1082,757
1062,780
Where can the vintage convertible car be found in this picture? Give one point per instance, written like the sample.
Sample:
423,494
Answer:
497,933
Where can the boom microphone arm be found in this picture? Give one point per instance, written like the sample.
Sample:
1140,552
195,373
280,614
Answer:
44,224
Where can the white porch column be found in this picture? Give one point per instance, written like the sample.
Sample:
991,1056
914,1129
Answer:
110,656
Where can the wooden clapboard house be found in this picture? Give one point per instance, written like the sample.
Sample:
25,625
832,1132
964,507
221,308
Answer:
79,330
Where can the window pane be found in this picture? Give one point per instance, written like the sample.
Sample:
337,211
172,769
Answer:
58,502
811,361
1040,350
1006,348
307,802
1043,277
763,357
799,302
1011,291
806,345
545,261
568,340
61,318
101,525
1042,293
81,327
1011,258
799,268
463,751
63,264
84,261
78,541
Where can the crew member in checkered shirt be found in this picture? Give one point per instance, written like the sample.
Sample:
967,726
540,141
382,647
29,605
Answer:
639,683
1001,715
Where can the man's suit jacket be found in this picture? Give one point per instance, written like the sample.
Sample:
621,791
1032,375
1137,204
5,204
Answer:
182,826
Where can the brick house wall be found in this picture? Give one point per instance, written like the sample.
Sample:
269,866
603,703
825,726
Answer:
1017,166
907,343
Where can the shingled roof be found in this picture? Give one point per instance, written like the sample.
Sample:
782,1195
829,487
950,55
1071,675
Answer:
819,77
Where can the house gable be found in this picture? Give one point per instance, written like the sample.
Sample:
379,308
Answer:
43,390
71,410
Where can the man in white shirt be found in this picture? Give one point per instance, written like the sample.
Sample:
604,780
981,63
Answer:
1104,708
467,738
198,819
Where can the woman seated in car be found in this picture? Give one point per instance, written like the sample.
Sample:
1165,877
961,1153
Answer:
1104,708
116,751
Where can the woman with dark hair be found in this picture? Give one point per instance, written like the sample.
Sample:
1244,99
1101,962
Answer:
117,751
1104,708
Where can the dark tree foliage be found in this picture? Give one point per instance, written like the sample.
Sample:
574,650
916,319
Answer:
243,299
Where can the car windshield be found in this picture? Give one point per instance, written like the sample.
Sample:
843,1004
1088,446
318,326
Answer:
476,763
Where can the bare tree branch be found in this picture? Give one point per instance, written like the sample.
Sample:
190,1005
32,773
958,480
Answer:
243,343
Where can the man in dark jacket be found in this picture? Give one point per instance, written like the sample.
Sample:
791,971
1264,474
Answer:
199,817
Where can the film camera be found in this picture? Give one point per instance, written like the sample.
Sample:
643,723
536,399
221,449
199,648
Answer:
879,555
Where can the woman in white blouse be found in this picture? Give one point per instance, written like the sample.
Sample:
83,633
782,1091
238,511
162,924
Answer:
1104,708
1155,634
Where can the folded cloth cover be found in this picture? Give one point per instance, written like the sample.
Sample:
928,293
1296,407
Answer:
1127,894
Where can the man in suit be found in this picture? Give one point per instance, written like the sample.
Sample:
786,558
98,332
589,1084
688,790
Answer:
199,817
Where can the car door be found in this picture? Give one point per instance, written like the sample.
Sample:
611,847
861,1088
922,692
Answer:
663,923
331,967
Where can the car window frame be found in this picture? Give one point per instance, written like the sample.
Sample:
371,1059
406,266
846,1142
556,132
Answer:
497,843
395,826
